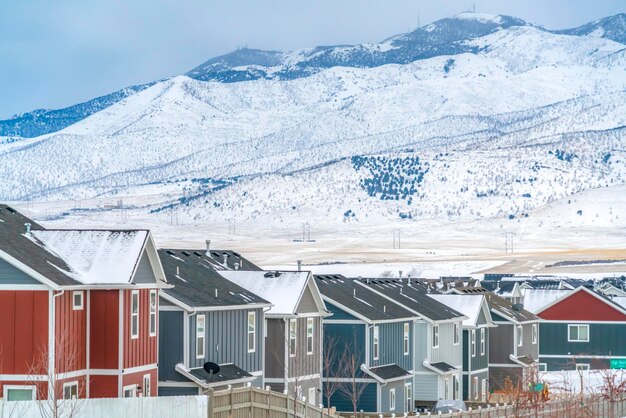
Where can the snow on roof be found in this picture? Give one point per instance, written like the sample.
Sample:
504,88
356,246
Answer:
535,299
468,305
620,300
283,289
96,256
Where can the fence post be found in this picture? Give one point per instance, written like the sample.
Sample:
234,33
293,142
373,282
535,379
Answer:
210,393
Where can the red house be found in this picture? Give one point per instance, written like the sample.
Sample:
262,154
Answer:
78,311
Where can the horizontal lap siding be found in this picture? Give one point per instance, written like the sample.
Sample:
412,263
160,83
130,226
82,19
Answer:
23,330
604,339
142,350
425,387
104,329
71,333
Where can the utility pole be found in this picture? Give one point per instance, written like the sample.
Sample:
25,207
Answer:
231,226
396,239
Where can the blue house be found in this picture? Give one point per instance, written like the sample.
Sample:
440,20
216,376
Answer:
206,318
368,348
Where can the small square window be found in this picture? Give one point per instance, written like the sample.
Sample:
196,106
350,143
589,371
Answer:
77,300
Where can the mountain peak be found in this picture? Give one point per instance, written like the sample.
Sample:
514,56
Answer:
479,17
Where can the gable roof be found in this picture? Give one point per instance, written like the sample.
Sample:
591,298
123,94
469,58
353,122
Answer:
499,305
536,299
469,305
196,283
361,302
412,295
608,301
284,289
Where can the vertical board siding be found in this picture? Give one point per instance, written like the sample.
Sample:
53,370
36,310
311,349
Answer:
481,361
447,351
593,309
501,344
304,364
226,339
391,345
142,350
528,348
103,386
422,344
367,402
103,329
347,337
171,341
23,329
137,379
71,333
384,397
275,348
604,340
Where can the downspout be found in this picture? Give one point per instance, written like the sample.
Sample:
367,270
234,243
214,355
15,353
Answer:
286,355
52,338
469,367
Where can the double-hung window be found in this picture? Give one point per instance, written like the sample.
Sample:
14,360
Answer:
147,390
435,336
392,399
251,331
134,314
293,335
482,342
578,333
534,333
200,332
70,390
310,328
457,333
77,300
376,342
473,342
520,335
153,313
405,341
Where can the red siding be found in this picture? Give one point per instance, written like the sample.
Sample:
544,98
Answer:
103,387
581,306
143,350
104,329
81,386
42,388
137,379
23,330
71,333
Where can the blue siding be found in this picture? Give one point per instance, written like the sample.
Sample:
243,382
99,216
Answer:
392,345
367,402
604,340
170,345
12,275
349,337
175,391
338,313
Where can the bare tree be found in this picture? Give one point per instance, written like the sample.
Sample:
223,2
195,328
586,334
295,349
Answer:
352,386
330,363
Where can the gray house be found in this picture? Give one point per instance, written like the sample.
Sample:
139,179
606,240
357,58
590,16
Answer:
206,318
293,329
437,339
378,333
513,344
475,342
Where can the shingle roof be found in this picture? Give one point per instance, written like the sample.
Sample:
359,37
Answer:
443,366
413,295
389,372
359,299
195,281
499,304
228,373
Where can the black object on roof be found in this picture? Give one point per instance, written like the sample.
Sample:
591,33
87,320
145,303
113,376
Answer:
227,373
413,295
443,366
389,372
197,282
359,299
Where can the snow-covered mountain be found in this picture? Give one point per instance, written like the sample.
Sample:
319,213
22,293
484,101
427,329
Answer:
449,36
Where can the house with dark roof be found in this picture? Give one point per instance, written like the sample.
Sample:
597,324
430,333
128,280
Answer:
204,318
513,343
78,308
476,329
581,329
437,339
293,329
378,334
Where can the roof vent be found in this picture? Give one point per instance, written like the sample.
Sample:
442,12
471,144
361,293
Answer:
177,270
517,307
269,274
299,265
185,253
354,293
170,252
385,308
208,246
216,293
236,266
27,229
225,257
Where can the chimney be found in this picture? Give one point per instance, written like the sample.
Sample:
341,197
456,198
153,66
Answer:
354,293
400,274
177,271
27,229
216,293
208,246
384,308
225,259
299,265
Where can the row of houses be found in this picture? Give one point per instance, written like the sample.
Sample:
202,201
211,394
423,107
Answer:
105,313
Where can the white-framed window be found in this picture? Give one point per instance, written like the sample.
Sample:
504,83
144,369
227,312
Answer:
251,331
200,332
457,334
310,327
134,314
483,339
543,367
129,391
153,313
520,335
78,297
475,387
473,342
146,389
19,393
534,333
405,341
376,342
455,387
70,390
446,388
435,336
392,399
582,366
578,333
293,337
408,397
311,399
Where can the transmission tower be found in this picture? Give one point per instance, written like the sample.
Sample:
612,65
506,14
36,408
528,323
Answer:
396,239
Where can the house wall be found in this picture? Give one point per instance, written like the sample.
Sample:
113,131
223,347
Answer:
275,348
528,348
71,333
103,386
501,343
367,402
23,330
104,329
426,387
304,364
604,340
143,350
144,272
467,381
499,375
171,343
447,351
385,390
391,345
137,379
421,342
594,309
10,274
347,338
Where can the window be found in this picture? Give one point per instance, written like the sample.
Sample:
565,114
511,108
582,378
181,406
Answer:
70,390
473,342
406,338
578,333
19,393
446,388
520,335
130,391
77,300
408,396
200,322
534,333
146,390
457,333
309,335
543,367
311,396
484,390
153,313
134,315
482,342
376,343
435,336
475,387
582,366
392,399
251,331
455,387
293,334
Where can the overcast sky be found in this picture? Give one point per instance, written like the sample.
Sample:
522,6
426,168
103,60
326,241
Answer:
58,53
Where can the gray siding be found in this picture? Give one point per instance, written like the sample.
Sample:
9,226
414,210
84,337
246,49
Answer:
304,364
275,348
528,348
170,345
144,273
226,339
177,391
481,361
12,275
385,397
307,302
501,344
426,387
391,345
421,344
447,350
467,382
